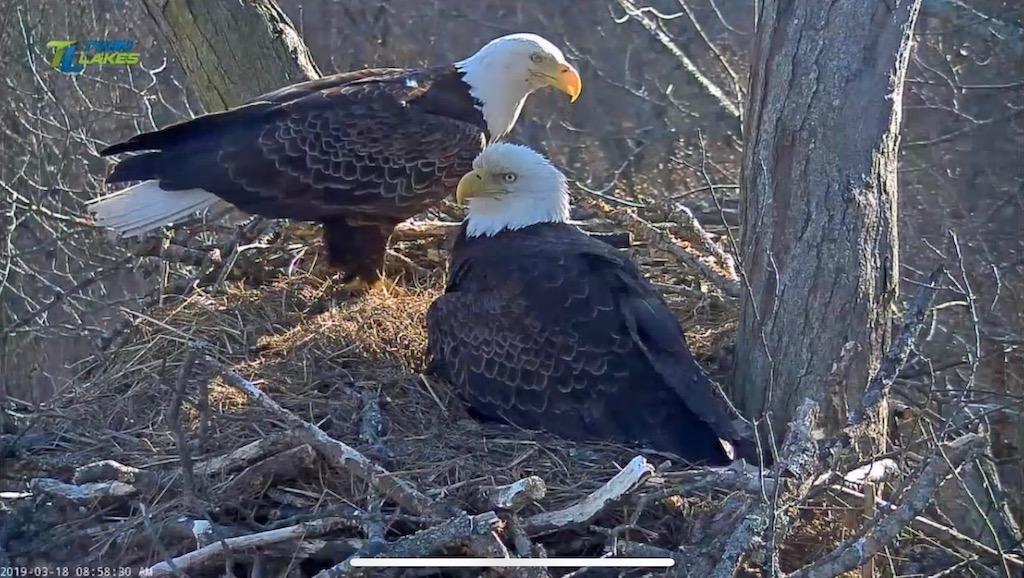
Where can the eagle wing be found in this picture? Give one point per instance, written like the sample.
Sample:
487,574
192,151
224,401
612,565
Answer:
351,143
564,334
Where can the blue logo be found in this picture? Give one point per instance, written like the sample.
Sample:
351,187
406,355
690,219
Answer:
72,56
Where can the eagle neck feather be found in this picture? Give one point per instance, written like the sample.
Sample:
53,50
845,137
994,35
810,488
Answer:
488,217
500,101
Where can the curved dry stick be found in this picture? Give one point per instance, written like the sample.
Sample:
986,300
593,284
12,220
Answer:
338,454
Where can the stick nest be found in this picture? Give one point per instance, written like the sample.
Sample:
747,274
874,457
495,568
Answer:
351,366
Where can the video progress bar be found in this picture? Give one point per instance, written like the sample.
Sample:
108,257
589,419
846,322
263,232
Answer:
512,562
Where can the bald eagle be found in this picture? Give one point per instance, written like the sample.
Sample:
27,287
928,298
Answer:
358,151
545,327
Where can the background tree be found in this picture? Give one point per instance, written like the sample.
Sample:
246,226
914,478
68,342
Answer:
233,51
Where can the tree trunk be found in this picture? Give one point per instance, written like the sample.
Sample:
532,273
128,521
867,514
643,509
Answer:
819,244
234,50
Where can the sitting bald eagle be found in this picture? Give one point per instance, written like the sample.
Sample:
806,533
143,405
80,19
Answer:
548,328
358,151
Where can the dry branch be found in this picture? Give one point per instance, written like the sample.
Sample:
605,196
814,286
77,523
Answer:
418,230
797,456
689,225
896,357
689,65
286,465
745,536
737,477
630,549
244,456
207,554
109,470
83,494
586,510
941,532
174,418
340,455
514,496
877,471
854,553
694,256
174,253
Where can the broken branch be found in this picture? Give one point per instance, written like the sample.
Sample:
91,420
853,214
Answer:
515,496
586,510
209,553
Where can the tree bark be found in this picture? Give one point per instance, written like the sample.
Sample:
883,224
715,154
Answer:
233,51
819,244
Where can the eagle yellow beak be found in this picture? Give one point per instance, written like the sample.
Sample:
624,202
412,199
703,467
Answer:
476,183
568,81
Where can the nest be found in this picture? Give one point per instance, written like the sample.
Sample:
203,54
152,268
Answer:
186,458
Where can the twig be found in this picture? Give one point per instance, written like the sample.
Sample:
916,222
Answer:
586,510
710,87
203,406
689,224
661,240
896,357
856,552
61,294
938,531
340,455
209,553
174,418
797,456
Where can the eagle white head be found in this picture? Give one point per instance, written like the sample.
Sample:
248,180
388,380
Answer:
506,70
510,187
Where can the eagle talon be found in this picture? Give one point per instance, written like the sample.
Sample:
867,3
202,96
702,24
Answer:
351,284
360,285
342,287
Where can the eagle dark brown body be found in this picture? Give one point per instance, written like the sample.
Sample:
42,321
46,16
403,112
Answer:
359,152
547,328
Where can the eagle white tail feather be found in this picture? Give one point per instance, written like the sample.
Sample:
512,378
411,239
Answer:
145,206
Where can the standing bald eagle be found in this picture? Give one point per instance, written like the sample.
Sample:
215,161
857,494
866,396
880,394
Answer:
358,151
548,328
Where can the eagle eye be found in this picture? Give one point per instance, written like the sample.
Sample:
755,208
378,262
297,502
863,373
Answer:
509,177
537,57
